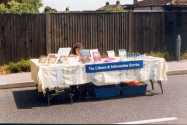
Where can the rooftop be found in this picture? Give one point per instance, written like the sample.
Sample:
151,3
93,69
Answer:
160,2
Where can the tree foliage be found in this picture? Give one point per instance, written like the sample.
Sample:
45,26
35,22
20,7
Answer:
49,10
3,8
21,6
113,8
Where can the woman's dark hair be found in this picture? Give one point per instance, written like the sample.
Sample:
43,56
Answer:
77,45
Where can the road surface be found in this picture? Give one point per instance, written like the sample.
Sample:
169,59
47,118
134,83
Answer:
25,106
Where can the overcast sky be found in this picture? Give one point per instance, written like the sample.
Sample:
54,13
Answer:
79,5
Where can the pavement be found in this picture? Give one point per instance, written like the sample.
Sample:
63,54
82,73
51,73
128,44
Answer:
21,80
16,80
177,67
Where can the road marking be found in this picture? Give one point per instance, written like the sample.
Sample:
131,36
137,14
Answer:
149,121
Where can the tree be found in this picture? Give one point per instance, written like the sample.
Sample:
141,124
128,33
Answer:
114,9
21,6
49,10
33,5
3,8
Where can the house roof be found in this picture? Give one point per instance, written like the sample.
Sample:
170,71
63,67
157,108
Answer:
160,2
180,2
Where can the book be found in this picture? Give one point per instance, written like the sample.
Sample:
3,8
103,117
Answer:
51,58
122,52
111,53
85,55
84,52
64,51
95,55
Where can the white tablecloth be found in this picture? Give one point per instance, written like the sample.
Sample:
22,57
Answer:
65,75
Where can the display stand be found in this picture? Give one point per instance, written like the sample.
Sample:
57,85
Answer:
115,69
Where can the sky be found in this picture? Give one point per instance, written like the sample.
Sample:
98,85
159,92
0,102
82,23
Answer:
79,5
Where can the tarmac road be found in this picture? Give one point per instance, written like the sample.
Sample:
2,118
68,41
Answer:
25,106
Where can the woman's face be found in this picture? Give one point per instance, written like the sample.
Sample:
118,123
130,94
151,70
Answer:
77,51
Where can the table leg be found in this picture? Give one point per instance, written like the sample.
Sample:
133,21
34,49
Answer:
152,84
161,87
70,92
71,97
48,98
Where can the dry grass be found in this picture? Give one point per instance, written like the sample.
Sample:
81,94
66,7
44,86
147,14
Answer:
15,67
4,70
184,55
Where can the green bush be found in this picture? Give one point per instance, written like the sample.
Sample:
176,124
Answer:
13,67
160,54
21,66
24,65
184,55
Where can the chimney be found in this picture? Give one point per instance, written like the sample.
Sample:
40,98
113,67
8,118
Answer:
107,3
174,1
118,2
67,9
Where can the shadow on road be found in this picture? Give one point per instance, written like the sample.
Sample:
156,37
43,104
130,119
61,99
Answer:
27,99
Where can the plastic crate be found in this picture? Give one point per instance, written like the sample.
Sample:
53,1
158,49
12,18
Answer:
106,91
128,91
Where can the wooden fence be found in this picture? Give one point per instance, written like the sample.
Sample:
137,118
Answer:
94,30
26,36
132,31
21,37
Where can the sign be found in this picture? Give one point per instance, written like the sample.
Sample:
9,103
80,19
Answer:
64,51
123,65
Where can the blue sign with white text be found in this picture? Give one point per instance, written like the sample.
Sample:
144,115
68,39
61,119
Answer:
123,65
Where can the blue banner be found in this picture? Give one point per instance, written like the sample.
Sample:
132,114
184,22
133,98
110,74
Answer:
123,65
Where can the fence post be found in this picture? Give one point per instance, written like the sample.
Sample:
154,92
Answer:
179,39
48,40
178,47
171,32
131,31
